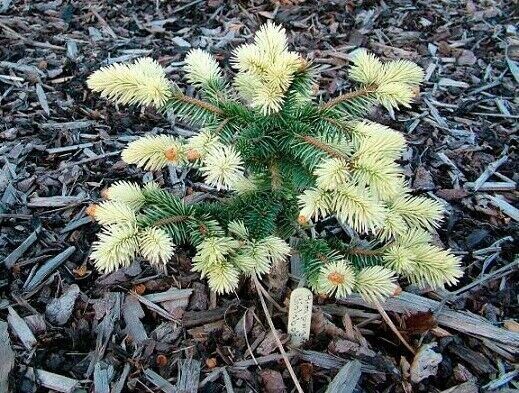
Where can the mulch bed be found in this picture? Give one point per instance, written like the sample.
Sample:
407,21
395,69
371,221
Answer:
66,327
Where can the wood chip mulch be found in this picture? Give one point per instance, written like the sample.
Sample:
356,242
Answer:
66,328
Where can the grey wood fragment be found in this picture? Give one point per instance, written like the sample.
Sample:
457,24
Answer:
54,201
172,299
25,68
159,382
105,328
188,376
5,5
20,250
425,363
462,321
103,374
132,314
170,294
502,380
63,149
119,385
152,306
6,358
467,387
76,224
55,382
68,126
49,266
59,310
21,329
505,207
42,98
36,323
346,379
489,171
227,381
72,50
493,186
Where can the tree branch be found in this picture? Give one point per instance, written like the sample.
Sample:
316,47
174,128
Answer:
323,146
201,104
348,96
367,251
169,220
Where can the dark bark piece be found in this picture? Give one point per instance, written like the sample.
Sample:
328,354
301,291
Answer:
474,360
272,381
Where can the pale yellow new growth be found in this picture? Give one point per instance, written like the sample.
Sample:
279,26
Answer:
144,82
213,251
116,247
366,68
314,203
277,248
112,212
202,142
331,173
223,278
243,185
394,81
253,258
401,71
373,139
266,69
153,152
391,95
336,279
422,263
238,229
380,174
155,245
213,260
418,211
201,68
222,167
375,283
353,205
357,208
257,256
394,225
126,192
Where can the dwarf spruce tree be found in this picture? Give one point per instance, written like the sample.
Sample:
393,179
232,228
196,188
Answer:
281,161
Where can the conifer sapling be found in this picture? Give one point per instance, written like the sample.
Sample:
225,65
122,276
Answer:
282,161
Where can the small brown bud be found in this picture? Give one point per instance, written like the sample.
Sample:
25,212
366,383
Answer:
307,370
336,278
171,154
105,194
302,220
80,271
416,91
161,360
91,210
139,289
398,290
210,363
193,155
